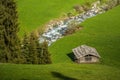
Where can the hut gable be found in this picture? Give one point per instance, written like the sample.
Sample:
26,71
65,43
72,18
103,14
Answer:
84,53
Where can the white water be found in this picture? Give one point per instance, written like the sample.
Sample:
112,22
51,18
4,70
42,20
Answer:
55,33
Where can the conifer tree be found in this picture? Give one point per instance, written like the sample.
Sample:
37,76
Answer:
25,48
33,48
39,51
2,45
45,53
34,52
9,25
11,50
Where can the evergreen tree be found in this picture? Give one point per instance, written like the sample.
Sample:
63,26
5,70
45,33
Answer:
2,45
9,25
34,52
11,50
39,51
45,53
25,48
33,48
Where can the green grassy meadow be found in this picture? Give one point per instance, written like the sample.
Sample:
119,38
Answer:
101,32
63,71
33,14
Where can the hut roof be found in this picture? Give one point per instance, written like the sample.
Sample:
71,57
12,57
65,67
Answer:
84,50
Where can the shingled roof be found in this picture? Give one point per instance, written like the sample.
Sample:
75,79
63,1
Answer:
84,50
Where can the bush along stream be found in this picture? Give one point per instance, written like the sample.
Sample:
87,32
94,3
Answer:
58,30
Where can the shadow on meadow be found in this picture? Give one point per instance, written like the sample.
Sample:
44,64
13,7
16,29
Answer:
71,56
61,76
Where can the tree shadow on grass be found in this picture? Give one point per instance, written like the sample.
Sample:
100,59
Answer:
71,56
61,76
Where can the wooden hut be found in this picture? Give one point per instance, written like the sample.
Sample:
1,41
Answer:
86,54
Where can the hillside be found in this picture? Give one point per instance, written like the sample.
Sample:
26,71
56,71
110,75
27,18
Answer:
101,32
35,13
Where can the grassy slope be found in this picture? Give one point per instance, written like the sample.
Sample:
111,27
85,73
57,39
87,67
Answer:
34,13
101,32
58,72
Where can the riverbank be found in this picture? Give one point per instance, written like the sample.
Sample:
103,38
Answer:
57,29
